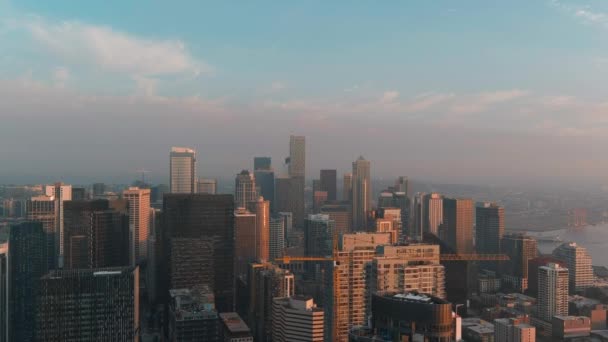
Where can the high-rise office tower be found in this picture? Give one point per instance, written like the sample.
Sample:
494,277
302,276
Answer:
261,208
262,163
266,281
182,164
533,265
520,248
296,170
42,209
277,237
406,268
198,245
264,179
361,193
402,184
578,262
296,318
288,199
552,291
297,156
206,186
345,283
420,215
318,235
4,292
328,180
244,239
489,228
347,187
434,208
61,192
27,263
340,213
457,226
192,316
96,234
139,223
245,189
489,231
89,305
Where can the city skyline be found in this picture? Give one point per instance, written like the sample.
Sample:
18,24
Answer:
502,111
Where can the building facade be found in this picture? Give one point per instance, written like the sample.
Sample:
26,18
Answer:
578,262
89,305
296,319
139,223
552,291
361,193
182,168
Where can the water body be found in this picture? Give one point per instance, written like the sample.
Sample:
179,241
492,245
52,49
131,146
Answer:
594,238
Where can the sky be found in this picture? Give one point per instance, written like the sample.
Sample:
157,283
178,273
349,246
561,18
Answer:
462,92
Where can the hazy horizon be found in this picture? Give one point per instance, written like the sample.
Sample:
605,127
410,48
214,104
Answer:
92,92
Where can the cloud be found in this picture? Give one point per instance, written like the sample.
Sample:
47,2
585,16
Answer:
389,96
277,86
585,13
114,50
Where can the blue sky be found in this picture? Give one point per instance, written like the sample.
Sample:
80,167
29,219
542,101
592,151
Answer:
500,83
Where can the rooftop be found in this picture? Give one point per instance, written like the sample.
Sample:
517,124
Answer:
234,323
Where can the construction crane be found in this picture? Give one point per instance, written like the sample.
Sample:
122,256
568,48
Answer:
443,257
143,174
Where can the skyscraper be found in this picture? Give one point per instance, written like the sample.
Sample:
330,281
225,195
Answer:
139,223
361,193
206,186
198,245
489,231
245,189
288,199
262,163
347,187
277,237
261,208
402,184
264,180
27,263
345,283
457,225
61,193
318,235
552,291
89,305
182,163
490,227
328,180
434,209
297,156
578,262
266,281
244,239
42,209
4,292
296,318
520,248
341,214
96,234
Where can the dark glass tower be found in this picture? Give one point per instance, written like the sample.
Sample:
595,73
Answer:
198,245
328,180
96,234
27,263
89,305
